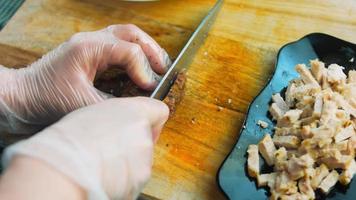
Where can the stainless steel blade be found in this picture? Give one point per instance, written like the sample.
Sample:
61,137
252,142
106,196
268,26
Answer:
187,54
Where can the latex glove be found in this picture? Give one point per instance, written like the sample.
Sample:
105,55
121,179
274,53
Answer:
62,80
106,148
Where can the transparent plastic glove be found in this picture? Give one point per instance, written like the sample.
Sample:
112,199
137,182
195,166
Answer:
62,81
106,148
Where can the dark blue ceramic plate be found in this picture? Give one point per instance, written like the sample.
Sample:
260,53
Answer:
232,176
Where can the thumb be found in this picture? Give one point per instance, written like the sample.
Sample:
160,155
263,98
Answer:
156,112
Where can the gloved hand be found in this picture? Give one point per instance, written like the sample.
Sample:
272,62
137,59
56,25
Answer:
106,148
62,80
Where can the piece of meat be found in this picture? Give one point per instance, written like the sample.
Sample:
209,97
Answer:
280,159
329,182
306,76
352,76
289,118
347,175
253,165
267,149
318,105
344,134
284,184
305,187
266,180
287,141
176,93
317,69
320,173
328,111
296,166
334,159
262,124
287,131
276,112
276,98
335,74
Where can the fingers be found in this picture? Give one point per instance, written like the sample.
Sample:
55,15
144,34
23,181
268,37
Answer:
156,112
131,57
157,56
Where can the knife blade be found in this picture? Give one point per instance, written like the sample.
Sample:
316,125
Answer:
186,55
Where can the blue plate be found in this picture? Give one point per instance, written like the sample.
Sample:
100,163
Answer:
232,176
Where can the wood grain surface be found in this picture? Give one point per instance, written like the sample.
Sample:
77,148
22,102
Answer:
234,63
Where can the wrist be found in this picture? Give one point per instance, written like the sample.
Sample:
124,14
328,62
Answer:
28,178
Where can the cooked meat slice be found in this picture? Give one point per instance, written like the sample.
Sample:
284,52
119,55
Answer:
345,134
328,111
318,105
289,118
341,102
305,187
266,180
317,69
334,159
346,176
284,184
280,102
287,131
290,95
335,74
296,166
288,141
352,76
306,132
329,182
262,124
280,159
320,173
305,74
253,165
276,112
342,147
267,149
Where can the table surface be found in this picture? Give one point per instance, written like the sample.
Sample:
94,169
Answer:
234,63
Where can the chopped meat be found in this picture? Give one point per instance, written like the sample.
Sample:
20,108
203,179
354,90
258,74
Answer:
280,159
329,182
266,179
253,164
314,133
318,105
317,69
288,141
320,173
276,112
176,93
296,166
352,76
289,118
346,176
262,124
345,134
306,75
284,184
280,102
305,187
335,74
267,149
287,131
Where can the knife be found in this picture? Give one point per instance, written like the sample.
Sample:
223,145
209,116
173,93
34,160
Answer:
186,55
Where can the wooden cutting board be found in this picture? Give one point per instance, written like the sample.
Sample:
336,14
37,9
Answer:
234,63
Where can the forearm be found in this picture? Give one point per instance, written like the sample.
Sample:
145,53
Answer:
27,178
